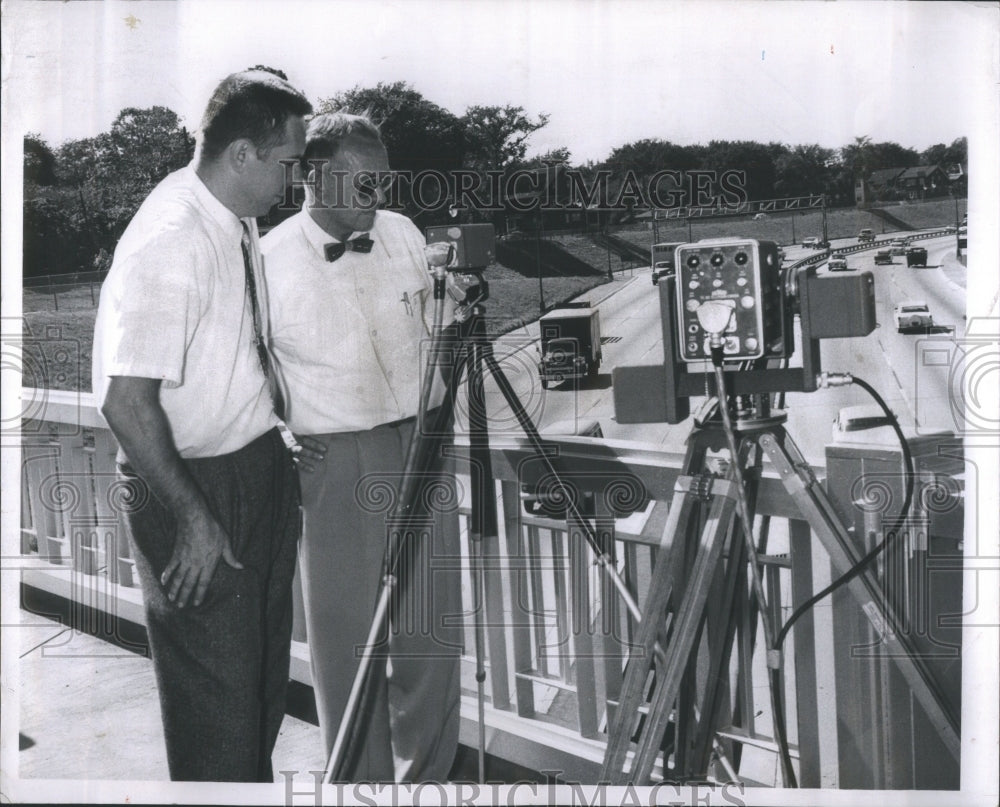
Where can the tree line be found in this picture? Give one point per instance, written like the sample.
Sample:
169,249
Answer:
79,196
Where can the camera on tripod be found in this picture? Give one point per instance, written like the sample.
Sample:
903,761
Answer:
736,290
473,248
474,244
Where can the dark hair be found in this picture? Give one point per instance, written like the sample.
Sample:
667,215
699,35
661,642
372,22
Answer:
328,132
255,105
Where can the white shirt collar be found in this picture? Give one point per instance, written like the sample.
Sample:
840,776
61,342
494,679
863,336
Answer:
226,219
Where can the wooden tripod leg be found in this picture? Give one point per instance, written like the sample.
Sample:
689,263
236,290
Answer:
679,631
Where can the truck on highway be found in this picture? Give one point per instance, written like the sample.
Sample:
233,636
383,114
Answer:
570,344
916,256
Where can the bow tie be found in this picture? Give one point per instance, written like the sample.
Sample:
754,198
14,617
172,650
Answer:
335,250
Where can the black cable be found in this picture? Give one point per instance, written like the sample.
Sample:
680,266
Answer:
891,533
746,519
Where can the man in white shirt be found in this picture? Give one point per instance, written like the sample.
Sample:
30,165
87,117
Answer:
181,374
351,317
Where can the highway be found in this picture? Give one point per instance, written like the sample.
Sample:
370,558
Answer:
897,365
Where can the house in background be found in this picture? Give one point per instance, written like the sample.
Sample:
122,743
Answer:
922,182
880,186
912,184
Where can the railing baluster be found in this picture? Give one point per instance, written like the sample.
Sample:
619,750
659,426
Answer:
535,573
583,639
563,653
496,636
110,503
520,605
804,655
41,471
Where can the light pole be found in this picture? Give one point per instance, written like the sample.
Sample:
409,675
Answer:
826,241
958,240
538,264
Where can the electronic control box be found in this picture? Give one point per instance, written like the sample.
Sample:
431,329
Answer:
744,275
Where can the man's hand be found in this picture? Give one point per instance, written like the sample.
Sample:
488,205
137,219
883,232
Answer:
201,541
309,452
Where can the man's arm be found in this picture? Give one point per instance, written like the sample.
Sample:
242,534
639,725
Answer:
133,411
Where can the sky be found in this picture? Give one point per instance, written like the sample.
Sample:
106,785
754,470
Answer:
607,72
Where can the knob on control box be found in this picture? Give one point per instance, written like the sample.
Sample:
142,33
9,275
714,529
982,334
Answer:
745,275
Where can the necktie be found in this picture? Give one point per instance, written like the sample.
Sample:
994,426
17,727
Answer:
336,249
258,324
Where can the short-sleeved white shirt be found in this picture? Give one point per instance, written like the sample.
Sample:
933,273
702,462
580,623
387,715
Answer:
350,337
175,307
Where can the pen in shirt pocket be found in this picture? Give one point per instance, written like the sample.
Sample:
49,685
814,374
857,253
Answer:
405,300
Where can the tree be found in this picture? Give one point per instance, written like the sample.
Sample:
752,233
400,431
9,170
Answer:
757,160
556,156
417,133
940,154
645,157
634,165
497,136
39,161
142,147
803,171
97,185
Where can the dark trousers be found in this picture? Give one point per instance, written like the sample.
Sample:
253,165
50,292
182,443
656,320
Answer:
222,667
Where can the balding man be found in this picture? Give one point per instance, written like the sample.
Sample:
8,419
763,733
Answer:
350,302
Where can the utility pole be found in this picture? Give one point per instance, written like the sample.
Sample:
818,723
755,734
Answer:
538,263
958,240
607,245
826,240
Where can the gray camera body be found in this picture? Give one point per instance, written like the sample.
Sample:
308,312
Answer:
474,244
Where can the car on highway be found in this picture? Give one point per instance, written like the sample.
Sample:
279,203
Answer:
760,217
916,256
662,257
883,256
813,242
898,246
912,315
837,263
867,234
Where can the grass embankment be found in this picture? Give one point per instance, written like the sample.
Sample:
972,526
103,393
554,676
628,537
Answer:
791,228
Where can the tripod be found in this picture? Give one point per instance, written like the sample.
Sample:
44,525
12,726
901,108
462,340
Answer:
699,592
469,353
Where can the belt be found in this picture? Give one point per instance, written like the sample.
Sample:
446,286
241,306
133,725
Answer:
430,415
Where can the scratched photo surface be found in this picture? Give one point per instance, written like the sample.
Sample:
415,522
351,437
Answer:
833,159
